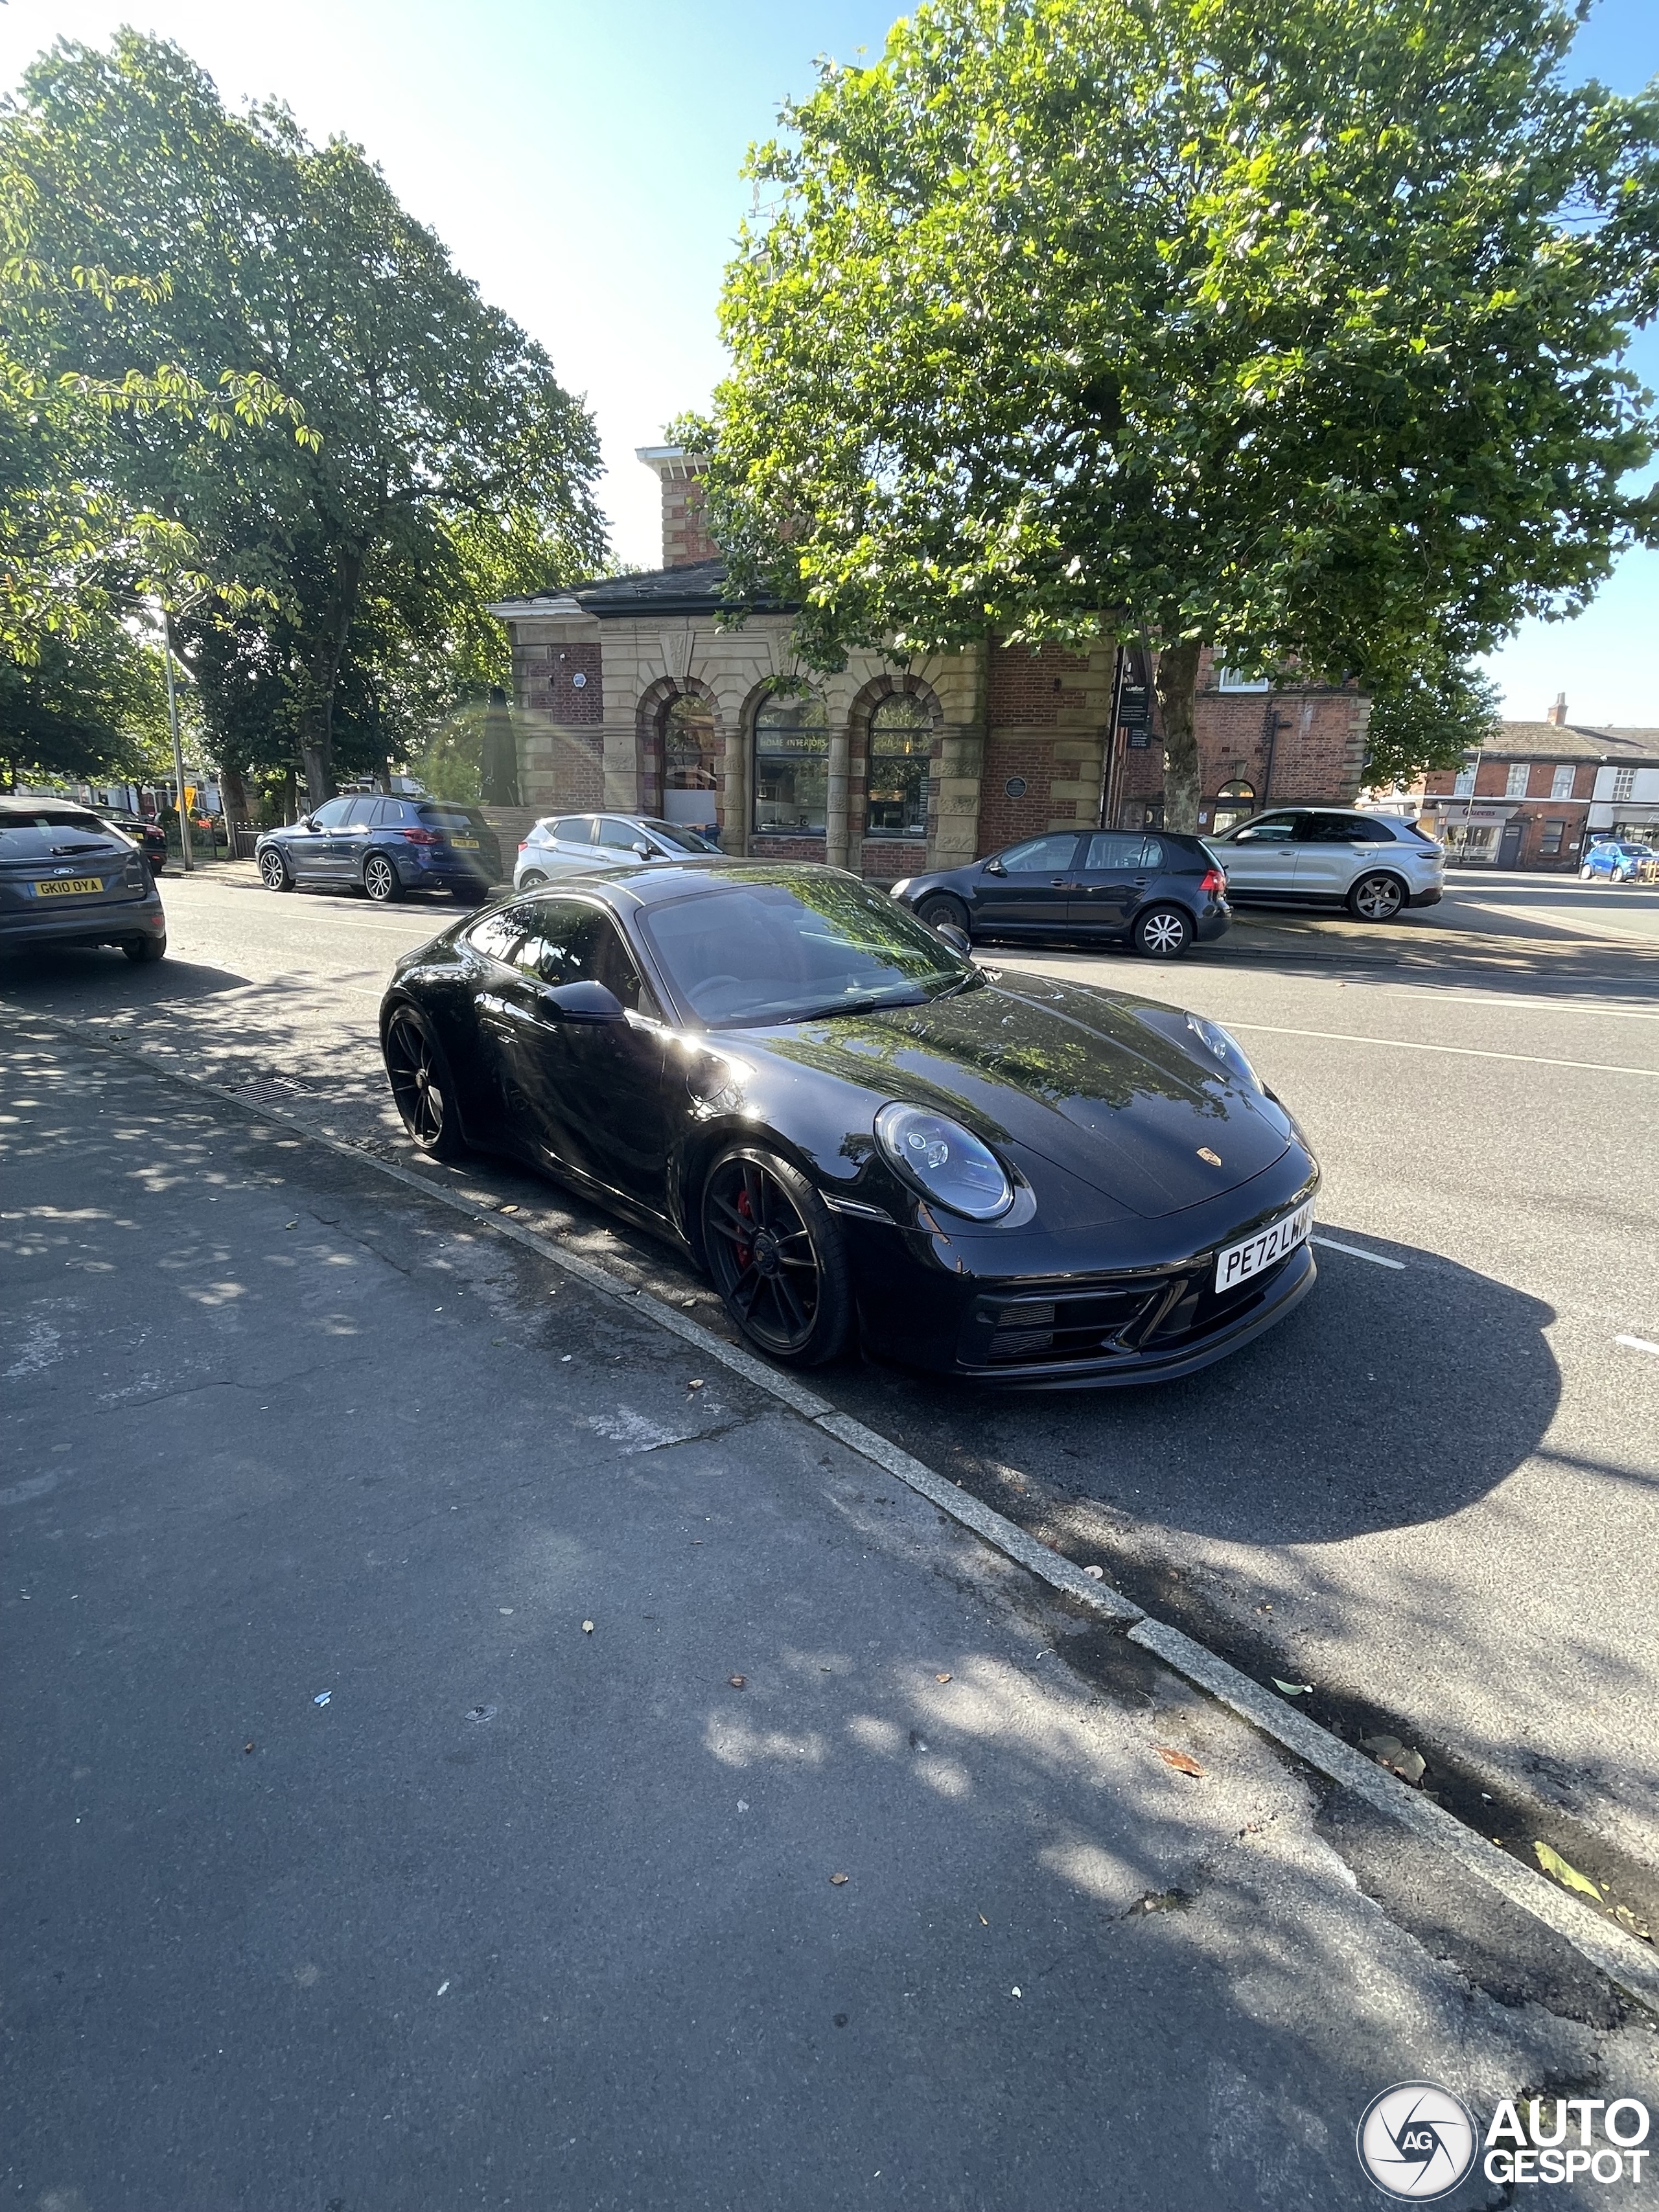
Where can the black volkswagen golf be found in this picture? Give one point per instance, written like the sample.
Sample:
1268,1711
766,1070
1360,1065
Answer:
856,1130
1161,891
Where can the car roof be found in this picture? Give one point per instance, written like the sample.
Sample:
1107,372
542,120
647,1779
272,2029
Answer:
656,882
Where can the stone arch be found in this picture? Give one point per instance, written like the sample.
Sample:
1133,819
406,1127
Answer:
650,717
809,845
905,855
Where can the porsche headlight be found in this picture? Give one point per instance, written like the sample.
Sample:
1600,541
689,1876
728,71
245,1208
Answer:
1226,1048
945,1162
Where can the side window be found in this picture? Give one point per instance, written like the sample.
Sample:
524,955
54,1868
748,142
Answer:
1039,855
573,829
1114,852
363,811
1152,855
569,942
623,834
331,813
1364,830
497,934
1271,829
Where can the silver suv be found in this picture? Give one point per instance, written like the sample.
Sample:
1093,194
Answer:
1373,864
575,844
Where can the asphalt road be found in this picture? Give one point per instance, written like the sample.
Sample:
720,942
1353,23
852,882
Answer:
1431,1493
385,1830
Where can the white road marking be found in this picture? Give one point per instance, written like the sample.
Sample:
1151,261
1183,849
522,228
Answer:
1499,1001
1459,1051
1636,1343
1354,1253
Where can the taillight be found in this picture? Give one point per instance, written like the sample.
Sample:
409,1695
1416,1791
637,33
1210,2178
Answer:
421,837
523,844
1214,882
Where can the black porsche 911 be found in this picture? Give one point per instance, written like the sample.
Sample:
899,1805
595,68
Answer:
855,1130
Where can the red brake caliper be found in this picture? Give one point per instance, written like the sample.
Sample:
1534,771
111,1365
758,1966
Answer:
745,1253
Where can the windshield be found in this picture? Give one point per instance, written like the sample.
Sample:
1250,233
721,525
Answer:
785,949
681,837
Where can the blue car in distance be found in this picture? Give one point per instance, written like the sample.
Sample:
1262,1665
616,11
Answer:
384,847
1615,861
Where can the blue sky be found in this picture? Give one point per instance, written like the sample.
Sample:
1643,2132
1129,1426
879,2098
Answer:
580,160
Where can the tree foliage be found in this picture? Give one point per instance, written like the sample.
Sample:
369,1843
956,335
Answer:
329,583
1429,720
1288,326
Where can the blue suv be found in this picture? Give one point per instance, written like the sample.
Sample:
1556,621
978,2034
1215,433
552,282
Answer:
384,847
1615,861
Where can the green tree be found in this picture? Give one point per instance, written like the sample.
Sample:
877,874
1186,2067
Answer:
1429,720
93,705
1286,326
434,425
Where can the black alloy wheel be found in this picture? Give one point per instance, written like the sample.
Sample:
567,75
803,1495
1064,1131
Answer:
777,1257
274,872
939,905
422,1085
142,950
1163,932
380,879
1376,898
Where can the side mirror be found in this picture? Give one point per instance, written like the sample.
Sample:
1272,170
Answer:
957,940
305,823
995,868
644,852
584,1002
1242,837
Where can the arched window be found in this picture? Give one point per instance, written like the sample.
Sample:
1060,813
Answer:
792,766
896,782
1234,802
688,761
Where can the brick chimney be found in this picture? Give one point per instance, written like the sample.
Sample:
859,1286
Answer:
686,537
1558,714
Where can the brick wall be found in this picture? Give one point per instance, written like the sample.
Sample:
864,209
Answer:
564,681
1015,757
885,860
685,537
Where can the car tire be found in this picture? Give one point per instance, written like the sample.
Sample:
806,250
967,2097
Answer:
382,880
531,880
939,905
1376,897
787,1285
1586,873
1163,932
422,1088
144,951
275,873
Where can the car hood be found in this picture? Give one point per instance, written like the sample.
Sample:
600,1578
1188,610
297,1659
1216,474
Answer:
1103,1084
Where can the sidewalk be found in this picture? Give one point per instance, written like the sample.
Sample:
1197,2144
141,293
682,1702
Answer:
529,1913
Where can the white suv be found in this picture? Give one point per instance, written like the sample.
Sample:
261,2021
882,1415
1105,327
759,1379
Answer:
576,844
1373,864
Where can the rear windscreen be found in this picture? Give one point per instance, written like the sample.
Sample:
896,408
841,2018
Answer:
36,833
453,817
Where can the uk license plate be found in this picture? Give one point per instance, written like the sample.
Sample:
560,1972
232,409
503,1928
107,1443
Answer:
1237,1263
464,844
67,886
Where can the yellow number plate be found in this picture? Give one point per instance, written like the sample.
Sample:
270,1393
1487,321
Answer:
464,844
67,886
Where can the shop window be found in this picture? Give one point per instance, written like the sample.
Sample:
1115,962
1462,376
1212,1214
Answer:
1561,783
792,766
688,761
895,780
1516,784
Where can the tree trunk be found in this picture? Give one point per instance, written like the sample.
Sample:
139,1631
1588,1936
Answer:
328,651
233,790
1177,684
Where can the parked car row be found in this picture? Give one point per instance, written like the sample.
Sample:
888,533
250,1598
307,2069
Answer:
858,1134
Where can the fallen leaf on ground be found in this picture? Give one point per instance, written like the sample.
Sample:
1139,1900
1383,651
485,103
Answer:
1384,1747
1182,1761
247,1747
696,1383
836,1880
508,1209
1096,1574
588,1628
1293,1689
983,1922
941,1678
1568,1877
738,1681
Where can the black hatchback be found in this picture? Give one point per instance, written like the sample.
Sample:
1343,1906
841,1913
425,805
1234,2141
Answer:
1162,893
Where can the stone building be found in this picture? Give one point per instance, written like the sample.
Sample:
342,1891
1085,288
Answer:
630,696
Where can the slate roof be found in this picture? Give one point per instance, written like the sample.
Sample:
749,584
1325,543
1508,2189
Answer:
1571,741
698,588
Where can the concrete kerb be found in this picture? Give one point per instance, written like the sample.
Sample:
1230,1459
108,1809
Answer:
1624,1959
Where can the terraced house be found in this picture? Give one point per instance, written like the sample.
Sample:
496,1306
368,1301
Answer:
630,695
1538,792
